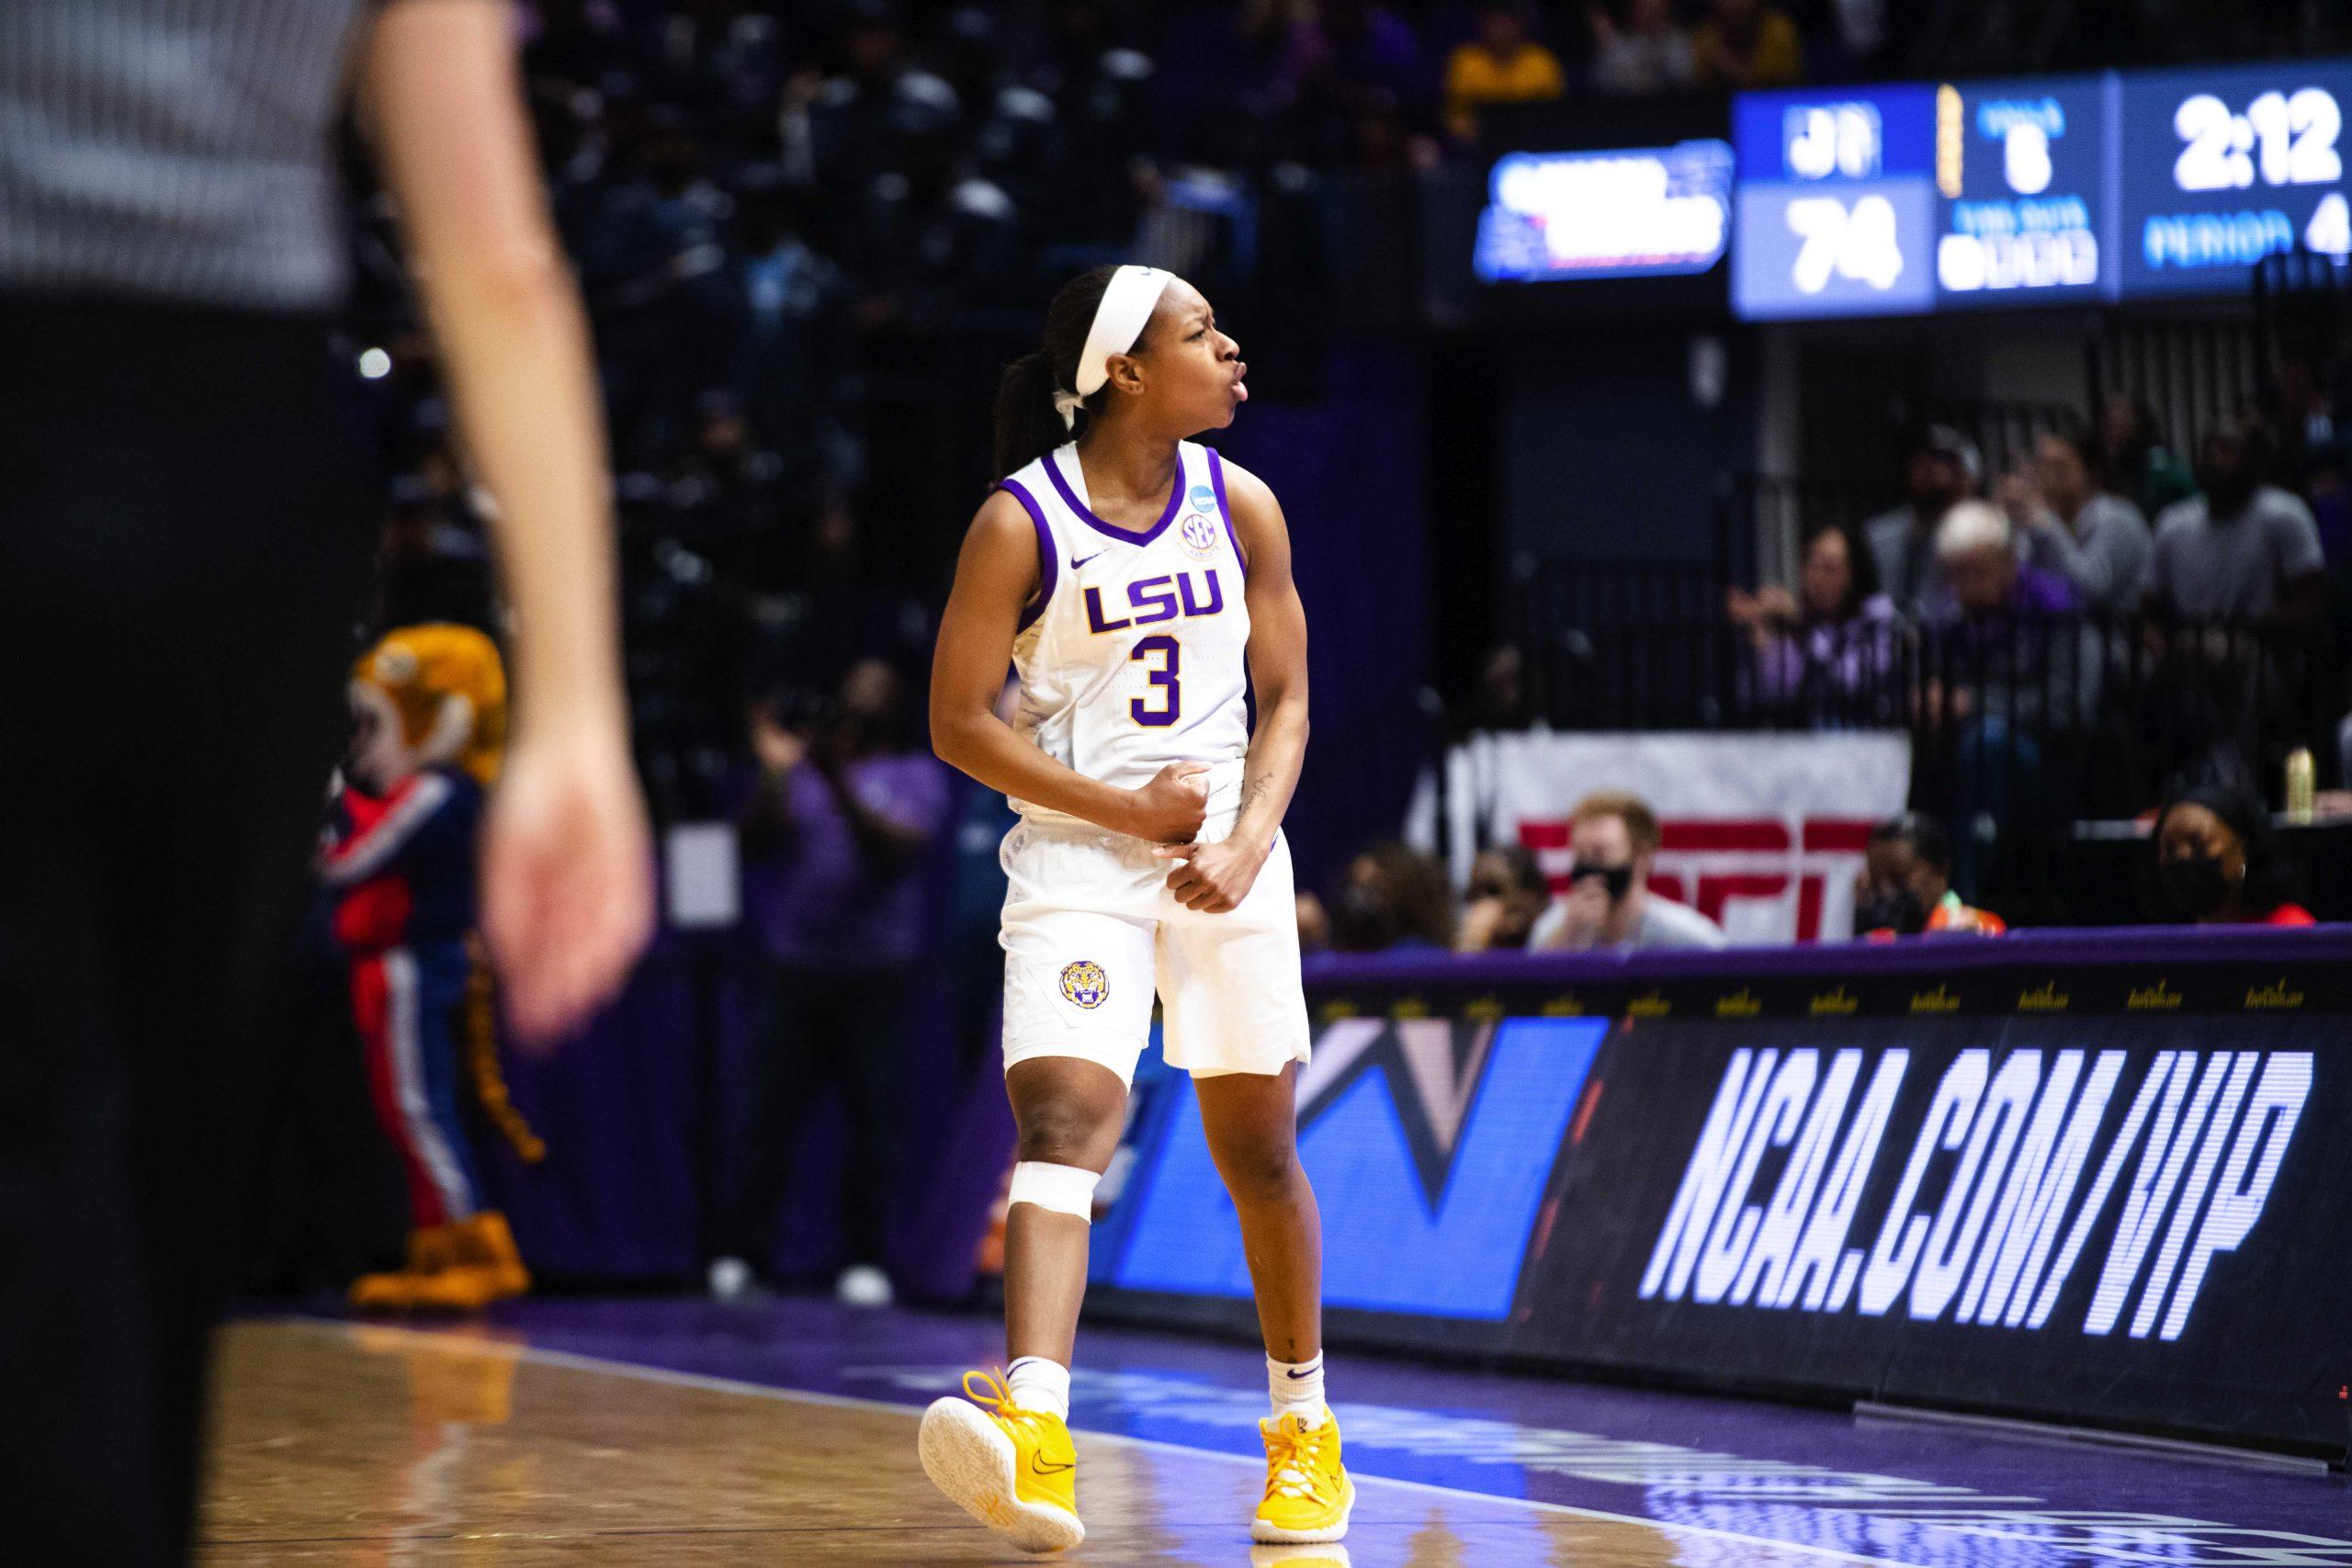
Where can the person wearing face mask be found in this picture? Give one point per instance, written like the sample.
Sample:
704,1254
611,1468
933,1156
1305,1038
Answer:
1904,886
1609,903
1394,897
2218,864
2242,550
1504,900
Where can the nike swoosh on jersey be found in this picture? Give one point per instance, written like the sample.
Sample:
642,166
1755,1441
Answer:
1075,562
1038,1465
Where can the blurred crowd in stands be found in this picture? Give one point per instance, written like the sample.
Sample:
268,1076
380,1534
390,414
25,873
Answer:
794,224
809,233
2216,861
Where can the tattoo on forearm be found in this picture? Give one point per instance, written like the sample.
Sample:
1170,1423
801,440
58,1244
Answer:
1255,790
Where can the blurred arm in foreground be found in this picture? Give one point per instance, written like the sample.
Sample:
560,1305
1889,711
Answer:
566,864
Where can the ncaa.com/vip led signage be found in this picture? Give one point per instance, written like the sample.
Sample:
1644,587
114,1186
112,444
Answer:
2138,1221
2036,1155
1955,1188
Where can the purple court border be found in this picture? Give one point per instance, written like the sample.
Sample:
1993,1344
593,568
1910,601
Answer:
2137,945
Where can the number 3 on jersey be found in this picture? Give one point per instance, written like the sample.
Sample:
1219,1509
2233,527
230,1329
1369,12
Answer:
1165,677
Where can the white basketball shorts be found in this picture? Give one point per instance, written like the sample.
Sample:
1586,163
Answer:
1092,933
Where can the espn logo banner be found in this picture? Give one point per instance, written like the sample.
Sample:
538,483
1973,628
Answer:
1761,833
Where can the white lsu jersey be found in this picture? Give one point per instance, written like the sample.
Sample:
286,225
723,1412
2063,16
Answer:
1134,653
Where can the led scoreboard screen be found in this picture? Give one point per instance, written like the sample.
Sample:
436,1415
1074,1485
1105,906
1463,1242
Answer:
1835,203
2021,188
2228,166
1640,213
2121,185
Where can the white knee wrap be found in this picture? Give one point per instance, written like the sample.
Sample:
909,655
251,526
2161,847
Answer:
1064,1188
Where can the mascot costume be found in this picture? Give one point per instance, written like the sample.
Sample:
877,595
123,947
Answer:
429,709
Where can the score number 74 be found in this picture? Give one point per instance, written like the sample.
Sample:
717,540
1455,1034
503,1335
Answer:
1857,243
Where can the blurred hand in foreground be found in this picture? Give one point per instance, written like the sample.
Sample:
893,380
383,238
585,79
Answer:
567,880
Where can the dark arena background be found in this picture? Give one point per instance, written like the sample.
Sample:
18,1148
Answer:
1823,863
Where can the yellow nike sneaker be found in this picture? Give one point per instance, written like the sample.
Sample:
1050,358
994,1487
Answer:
1308,1495
1014,1470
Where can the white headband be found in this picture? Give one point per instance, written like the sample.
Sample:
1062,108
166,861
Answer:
1128,302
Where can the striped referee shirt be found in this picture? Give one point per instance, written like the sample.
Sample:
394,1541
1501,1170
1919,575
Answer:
175,149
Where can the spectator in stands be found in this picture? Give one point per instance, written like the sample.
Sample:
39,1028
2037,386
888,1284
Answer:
795,363
1983,576
837,834
1609,903
1942,467
2096,541
841,132
2011,680
1394,896
2218,860
1639,50
1748,44
1502,699
1314,923
2240,550
1506,895
2301,407
2134,462
1501,64
1994,600
1358,57
1825,656
1904,886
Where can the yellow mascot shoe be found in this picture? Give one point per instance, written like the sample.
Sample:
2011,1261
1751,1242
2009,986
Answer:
1014,1470
429,1252
483,1246
1308,1495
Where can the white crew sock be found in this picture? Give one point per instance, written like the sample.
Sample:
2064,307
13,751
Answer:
1298,1388
1042,1385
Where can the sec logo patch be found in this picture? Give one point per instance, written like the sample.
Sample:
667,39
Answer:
1085,984
1198,534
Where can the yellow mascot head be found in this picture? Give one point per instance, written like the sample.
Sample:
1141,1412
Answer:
428,695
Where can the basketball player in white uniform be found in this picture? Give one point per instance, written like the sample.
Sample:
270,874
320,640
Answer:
1138,585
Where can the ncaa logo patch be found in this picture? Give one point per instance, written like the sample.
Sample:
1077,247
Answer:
1085,984
1198,535
1203,496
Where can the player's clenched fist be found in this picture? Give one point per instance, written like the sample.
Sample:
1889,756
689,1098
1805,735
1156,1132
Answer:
1212,878
1172,807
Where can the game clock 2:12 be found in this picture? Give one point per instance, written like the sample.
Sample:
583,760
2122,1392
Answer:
2220,169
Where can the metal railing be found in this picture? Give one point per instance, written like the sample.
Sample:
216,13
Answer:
2019,726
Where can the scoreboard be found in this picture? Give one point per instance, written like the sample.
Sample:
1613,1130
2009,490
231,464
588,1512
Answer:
1835,203
1902,199
2021,189
1640,213
2227,167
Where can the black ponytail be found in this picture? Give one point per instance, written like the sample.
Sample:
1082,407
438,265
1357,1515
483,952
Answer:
1027,424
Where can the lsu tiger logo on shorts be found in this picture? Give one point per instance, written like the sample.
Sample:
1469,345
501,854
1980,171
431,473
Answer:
1085,984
